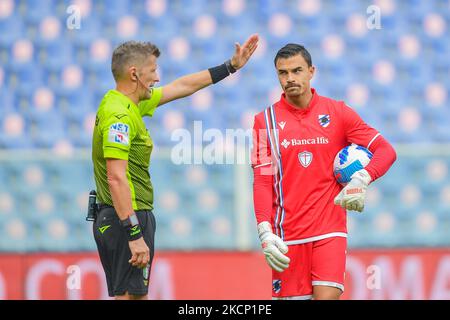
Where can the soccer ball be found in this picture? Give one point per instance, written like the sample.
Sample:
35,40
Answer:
349,160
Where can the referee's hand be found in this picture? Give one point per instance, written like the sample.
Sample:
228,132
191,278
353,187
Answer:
244,52
140,254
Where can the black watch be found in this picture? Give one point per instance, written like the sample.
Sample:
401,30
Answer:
229,66
132,220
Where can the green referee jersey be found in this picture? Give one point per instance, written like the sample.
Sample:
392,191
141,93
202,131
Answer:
120,133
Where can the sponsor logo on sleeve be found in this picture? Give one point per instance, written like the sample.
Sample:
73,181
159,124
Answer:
119,133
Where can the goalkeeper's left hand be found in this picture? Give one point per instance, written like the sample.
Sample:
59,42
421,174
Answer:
353,195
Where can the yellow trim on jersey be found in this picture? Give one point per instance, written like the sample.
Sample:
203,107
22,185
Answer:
114,153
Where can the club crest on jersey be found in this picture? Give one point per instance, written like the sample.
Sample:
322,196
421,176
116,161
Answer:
305,158
276,286
324,120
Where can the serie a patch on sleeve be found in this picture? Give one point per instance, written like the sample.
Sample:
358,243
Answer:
119,133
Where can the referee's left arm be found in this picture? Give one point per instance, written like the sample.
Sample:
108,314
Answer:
189,84
185,86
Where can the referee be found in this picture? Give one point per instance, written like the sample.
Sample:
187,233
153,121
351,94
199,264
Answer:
125,225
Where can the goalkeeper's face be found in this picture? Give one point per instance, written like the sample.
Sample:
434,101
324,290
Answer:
147,77
294,75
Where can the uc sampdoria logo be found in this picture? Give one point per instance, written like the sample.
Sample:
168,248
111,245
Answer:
324,120
276,286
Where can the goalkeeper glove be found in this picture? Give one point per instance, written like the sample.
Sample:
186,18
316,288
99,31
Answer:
353,195
273,247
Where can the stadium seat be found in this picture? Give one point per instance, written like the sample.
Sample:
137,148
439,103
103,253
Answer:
81,234
216,233
35,10
21,79
8,98
44,128
55,235
111,11
16,235
15,29
54,55
91,30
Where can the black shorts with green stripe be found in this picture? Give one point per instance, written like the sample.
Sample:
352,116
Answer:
114,251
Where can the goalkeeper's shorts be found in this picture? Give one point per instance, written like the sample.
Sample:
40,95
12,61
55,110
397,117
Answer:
114,252
317,263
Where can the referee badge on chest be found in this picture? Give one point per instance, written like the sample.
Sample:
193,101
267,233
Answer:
324,120
305,158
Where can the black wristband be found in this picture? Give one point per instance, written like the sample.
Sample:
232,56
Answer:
133,232
219,73
132,227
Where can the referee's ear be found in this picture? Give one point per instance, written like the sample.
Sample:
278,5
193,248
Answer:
132,71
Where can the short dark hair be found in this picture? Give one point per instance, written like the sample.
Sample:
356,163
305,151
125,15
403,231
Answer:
131,52
293,49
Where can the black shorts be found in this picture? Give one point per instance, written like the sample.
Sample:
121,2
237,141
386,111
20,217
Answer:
114,251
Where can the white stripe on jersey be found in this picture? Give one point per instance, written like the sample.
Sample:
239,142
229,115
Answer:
262,165
307,297
328,284
373,139
274,153
274,125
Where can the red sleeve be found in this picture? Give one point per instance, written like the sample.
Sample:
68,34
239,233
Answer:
384,156
262,173
356,130
359,132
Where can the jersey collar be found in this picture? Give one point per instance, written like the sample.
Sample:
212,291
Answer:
123,97
284,103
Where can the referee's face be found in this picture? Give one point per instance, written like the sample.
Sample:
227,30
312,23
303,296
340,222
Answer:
147,78
294,75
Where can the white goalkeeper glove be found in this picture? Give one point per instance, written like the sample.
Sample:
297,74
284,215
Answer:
353,195
273,247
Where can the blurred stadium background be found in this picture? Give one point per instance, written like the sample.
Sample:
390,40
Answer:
53,77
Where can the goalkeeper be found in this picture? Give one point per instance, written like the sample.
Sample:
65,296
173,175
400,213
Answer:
299,206
125,225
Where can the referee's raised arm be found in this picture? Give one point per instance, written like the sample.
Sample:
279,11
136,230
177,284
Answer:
191,83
